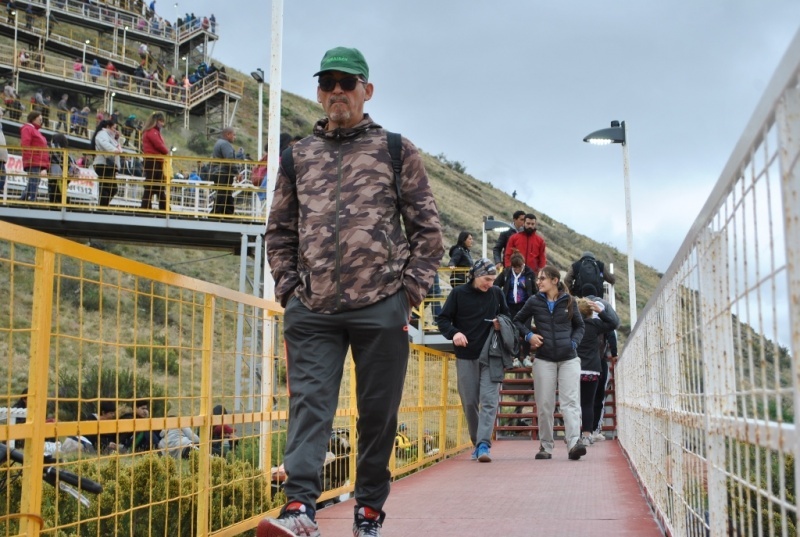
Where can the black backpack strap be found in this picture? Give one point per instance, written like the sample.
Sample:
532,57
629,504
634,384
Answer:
395,142
287,164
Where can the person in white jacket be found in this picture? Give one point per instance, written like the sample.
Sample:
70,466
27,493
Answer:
178,443
106,139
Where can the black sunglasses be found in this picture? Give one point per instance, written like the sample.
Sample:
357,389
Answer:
347,83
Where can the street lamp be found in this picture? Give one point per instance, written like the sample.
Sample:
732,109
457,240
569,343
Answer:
258,76
14,14
489,223
617,134
124,39
111,103
84,51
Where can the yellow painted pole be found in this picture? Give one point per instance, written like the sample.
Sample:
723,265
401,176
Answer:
204,480
38,380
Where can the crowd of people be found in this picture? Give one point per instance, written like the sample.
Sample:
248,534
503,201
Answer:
560,328
177,442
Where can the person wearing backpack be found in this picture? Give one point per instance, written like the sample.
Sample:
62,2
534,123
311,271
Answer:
587,270
353,242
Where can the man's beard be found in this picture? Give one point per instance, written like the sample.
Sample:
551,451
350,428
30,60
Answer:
339,114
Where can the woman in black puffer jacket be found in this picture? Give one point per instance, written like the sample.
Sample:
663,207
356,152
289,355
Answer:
558,329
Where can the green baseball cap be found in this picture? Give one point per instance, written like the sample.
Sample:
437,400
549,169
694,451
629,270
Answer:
346,60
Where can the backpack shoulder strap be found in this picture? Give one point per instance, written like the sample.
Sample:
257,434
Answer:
395,142
287,163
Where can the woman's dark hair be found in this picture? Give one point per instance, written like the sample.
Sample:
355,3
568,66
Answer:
462,238
60,140
102,125
552,272
33,115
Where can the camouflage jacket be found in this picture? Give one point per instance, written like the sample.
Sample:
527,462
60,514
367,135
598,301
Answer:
335,238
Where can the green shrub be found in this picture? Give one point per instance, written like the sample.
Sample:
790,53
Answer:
154,495
161,358
80,390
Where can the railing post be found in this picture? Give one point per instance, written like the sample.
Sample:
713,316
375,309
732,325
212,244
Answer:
718,368
38,381
788,119
204,475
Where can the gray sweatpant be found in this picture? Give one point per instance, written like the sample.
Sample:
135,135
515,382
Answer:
479,399
316,347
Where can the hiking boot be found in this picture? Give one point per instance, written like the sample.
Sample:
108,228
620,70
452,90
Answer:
296,520
598,436
543,454
577,451
483,453
368,522
516,363
527,362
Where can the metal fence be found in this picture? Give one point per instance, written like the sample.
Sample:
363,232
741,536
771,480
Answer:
708,385
193,187
163,389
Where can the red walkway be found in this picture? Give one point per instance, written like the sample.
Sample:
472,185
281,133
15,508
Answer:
514,495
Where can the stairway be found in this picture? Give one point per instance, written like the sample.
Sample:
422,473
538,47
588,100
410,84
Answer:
516,413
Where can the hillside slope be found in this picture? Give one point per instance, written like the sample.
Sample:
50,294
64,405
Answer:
463,201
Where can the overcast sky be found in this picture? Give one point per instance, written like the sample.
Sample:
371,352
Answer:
510,89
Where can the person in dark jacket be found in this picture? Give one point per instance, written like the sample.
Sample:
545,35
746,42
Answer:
518,284
500,246
558,328
468,317
225,172
460,257
597,322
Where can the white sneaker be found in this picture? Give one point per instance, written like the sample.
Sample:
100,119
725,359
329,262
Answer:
293,522
527,362
516,363
598,436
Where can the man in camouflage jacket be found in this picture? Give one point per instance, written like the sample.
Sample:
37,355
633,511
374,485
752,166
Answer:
348,273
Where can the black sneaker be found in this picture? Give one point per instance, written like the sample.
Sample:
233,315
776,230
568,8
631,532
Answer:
368,522
296,520
543,454
577,451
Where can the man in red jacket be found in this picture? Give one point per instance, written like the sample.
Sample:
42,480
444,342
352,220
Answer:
529,244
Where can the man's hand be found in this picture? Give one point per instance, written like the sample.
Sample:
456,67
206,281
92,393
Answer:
496,324
460,340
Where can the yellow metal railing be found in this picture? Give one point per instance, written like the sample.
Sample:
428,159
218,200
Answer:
117,81
83,330
193,187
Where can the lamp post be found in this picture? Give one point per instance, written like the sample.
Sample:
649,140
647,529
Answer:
258,76
16,59
489,223
84,51
124,40
111,103
617,134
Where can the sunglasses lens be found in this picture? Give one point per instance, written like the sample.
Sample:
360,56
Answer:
349,83
329,83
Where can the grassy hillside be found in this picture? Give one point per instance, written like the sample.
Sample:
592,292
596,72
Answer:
463,200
